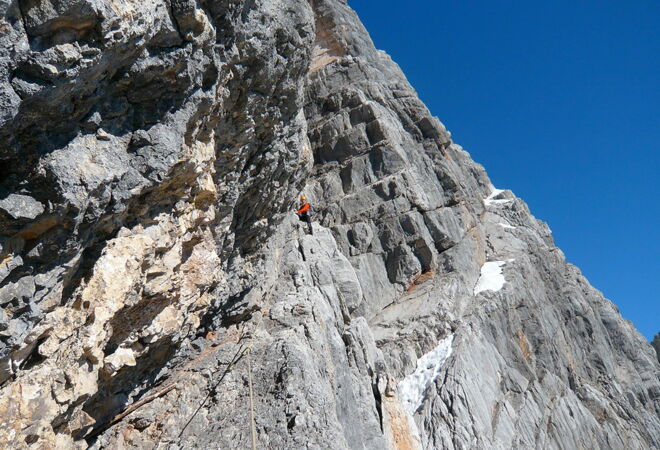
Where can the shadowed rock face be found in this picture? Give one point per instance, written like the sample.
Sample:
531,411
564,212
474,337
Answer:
150,266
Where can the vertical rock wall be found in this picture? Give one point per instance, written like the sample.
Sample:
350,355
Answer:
154,283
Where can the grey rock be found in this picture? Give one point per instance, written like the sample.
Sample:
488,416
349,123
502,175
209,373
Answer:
9,264
21,206
21,290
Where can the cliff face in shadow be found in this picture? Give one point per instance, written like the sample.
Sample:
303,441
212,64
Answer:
152,273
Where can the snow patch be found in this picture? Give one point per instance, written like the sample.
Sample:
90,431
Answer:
491,278
412,388
491,201
507,226
494,193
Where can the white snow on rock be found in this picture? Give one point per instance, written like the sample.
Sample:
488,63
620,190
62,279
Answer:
507,226
494,192
491,201
412,388
491,278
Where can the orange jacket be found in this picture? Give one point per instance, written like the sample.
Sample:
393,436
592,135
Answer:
303,209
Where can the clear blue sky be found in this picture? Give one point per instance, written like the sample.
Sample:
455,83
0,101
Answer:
560,101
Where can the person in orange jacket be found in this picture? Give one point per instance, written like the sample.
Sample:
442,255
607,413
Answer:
304,212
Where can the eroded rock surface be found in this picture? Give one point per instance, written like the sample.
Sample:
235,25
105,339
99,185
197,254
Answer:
151,270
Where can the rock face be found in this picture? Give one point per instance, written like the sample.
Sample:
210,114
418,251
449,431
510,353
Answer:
157,291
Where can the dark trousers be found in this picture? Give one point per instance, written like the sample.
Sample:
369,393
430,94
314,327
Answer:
304,217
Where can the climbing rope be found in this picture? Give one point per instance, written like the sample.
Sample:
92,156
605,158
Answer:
248,353
237,357
244,350
253,428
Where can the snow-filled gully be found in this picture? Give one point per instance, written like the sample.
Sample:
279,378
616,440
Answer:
412,388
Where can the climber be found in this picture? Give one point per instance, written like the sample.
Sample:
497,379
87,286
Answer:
304,213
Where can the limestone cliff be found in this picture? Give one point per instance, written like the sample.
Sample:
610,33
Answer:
158,292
